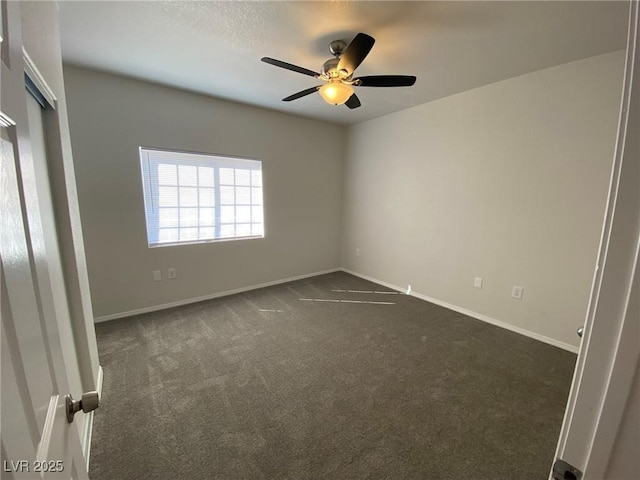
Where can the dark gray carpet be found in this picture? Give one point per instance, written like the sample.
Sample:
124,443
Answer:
263,385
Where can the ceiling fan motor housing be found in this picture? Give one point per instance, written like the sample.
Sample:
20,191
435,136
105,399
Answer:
330,67
330,70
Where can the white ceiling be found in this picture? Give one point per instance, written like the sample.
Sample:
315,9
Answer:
215,47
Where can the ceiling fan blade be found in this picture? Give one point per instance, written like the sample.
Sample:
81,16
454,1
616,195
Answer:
356,52
385,81
353,102
290,66
301,94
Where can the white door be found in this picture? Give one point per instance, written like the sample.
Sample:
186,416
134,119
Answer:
610,347
36,439
36,436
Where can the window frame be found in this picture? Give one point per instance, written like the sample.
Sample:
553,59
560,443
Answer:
151,194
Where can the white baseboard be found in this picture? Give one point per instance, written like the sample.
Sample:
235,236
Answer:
455,308
375,280
478,316
88,424
179,303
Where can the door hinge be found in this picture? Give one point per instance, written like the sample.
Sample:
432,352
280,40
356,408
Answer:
565,471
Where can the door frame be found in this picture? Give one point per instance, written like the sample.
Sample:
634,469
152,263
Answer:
609,353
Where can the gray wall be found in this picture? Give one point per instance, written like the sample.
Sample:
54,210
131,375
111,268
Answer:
507,182
110,117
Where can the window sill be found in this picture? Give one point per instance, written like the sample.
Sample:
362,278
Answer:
212,240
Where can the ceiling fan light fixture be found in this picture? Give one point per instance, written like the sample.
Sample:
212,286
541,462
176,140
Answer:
338,73
336,93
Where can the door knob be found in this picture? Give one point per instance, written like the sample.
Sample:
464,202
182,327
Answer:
580,331
89,402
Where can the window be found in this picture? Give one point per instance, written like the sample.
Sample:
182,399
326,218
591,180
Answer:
194,197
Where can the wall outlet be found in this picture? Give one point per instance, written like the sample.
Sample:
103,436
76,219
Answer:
477,282
357,252
157,275
171,273
516,292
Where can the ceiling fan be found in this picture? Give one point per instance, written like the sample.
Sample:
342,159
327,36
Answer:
337,72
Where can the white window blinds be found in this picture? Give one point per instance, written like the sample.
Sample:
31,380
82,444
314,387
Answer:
193,197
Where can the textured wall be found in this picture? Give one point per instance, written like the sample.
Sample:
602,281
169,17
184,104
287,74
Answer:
507,182
111,117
